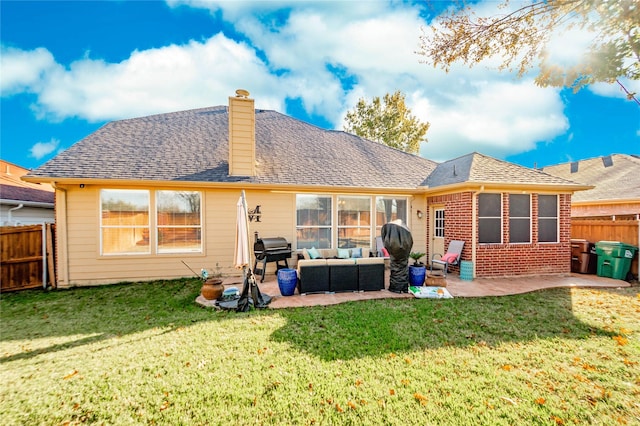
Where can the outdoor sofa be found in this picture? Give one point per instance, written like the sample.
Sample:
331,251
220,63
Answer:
333,270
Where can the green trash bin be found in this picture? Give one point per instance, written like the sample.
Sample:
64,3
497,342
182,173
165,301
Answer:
614,259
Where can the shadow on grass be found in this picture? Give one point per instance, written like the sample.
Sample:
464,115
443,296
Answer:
99,313
78,317
386,326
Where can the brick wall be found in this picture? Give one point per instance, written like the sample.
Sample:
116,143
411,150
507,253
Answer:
495,260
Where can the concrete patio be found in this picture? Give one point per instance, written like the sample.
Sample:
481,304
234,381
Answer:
479,287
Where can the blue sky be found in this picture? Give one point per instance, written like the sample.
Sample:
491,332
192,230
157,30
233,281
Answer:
69,67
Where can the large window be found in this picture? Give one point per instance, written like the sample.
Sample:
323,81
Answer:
490,218
519,218
313,221
179,221
124,221
548,218
354,222
389,209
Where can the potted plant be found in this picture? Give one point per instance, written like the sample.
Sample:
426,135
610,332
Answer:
212,287
417,271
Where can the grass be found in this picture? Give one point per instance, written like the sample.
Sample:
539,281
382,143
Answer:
147,354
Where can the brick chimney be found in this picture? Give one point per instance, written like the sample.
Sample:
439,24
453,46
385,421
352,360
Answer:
242,135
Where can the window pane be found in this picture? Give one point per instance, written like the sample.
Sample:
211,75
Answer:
548,205
354,211
314,226
490,205
519,218
354,222
178,208
490,218
178,220
519,205
124,207
390,209
519,231
548,230
438,230
172,240
489,231
125,241
314,237
313,210
124,221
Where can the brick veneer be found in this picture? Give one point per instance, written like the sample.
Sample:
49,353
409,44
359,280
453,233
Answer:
495,260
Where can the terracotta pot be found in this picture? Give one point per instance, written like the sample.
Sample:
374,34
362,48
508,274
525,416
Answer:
212,289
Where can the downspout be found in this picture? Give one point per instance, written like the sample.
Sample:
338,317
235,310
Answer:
44,255
474,227
9,217
61,234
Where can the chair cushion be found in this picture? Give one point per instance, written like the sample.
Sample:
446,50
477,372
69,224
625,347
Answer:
449,257
305,254
343,253
314,253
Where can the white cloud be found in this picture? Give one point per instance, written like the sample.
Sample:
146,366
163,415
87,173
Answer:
42,149
157,80
476,109
615,90
23,70
495,118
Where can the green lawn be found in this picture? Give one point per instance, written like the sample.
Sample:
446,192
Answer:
147,354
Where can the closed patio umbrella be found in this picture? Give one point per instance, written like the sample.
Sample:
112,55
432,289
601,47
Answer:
242,260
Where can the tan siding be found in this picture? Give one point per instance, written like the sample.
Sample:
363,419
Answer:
87,267
419,226
241,137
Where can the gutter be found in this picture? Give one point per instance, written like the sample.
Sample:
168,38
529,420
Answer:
37,204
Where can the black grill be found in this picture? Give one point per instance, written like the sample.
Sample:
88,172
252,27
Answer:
275,249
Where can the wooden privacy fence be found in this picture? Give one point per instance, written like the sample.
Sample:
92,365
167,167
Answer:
625,231
23,249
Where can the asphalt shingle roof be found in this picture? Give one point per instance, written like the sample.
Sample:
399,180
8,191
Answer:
482,169
615,177
192,146
18,193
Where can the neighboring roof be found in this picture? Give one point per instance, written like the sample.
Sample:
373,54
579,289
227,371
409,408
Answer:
615,177
480,169
192,146
14,190
18,194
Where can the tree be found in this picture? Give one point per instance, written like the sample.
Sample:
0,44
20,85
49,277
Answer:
391,124
522,37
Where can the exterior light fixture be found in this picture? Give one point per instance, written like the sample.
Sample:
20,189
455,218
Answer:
419,213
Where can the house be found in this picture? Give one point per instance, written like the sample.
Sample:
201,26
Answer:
138,197
23,203
610,210
616,186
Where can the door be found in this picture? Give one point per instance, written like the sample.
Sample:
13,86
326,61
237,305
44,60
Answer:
436,231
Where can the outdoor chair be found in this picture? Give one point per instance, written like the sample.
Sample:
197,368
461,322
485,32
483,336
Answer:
451,257
381,251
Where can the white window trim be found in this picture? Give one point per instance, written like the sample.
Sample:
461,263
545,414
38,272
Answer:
530,217
557,218
152,226
493,217
157,227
